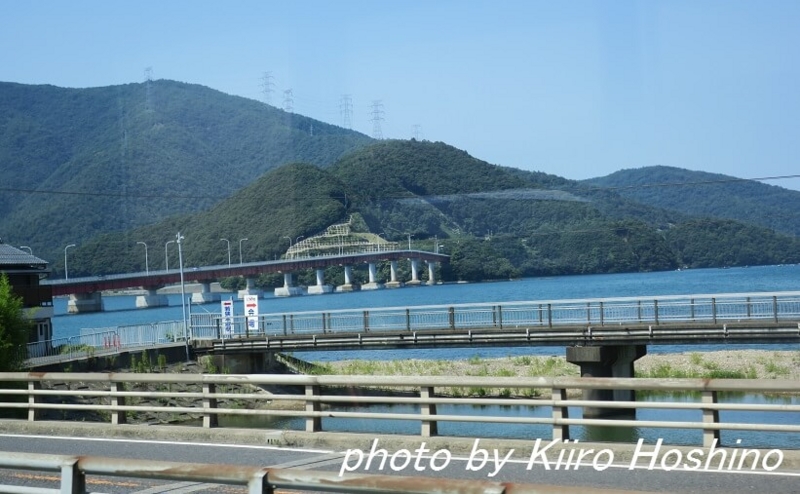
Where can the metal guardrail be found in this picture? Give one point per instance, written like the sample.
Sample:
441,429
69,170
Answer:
74,469
117,390
667,319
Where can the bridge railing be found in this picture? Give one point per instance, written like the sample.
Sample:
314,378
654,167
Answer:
104,341
73,472
115,396
711,309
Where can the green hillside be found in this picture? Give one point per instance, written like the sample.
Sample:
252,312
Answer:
711,195
116,158
495,222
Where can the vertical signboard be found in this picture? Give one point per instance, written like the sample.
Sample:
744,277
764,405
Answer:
251,311
227,318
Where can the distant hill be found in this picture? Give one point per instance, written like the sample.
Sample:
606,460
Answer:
711,195
495,222
120,157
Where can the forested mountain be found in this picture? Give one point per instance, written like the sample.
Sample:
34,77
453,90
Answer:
106,168
495,222
711,195
116,158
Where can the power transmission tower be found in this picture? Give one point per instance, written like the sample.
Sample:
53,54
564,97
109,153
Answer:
148,90
416,132
377,117
288,101
346,109
267,87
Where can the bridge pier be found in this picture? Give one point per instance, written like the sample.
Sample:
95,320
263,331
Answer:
348,281
431,275
152,299
320,287
607,361
204,296
288,289
393,283
414,273
250,289
80,303
373,275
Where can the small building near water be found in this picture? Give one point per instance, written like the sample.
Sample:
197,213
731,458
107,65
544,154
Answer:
25,272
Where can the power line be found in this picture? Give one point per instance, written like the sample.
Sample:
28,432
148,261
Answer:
377,117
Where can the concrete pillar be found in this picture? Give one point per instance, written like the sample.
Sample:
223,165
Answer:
320,287
205,296
151,299
250,289
288,290
393,283
607,361
373,275
80,303
414,273
348,283
431,275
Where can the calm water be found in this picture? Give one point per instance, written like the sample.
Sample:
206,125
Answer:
120,310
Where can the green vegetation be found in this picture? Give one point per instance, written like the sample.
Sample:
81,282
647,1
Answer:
14,328
248,170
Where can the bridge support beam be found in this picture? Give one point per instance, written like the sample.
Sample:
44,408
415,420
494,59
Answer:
152,299
414,273
393,283
348,281
431,273
250,289
288,289
373,276
607,361
320,287
204,296
80,303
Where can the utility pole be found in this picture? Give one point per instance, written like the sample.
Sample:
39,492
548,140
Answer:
346,109
267,87
377,117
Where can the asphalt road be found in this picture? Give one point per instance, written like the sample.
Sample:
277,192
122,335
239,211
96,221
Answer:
617,475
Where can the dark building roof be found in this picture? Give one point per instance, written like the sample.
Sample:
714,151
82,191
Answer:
14,259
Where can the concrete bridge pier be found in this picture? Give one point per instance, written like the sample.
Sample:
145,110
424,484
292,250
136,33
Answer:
250,289
288,289
348,281
373,275
152,299
431,275
414,273
80,303
205,296
320,287
607,361
393,283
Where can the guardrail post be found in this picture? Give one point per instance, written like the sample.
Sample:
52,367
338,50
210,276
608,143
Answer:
209,402
549,315
749,310
500,315
710,416
429,427
560,431
33,413
117,416
324,324
408,320
691,305
714,310
602,315
775,307
73,480
366,321
451,317
655,309
313,424
259,484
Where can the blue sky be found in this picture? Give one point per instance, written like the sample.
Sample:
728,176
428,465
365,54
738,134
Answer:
576,88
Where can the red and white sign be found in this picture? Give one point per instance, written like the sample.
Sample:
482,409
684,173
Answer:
251,311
